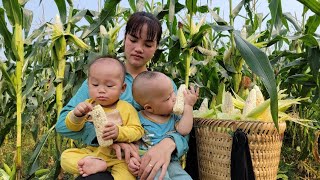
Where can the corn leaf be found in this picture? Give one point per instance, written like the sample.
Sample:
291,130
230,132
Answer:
13,11
276,14
293,21
108,11
4,175
314,61
313,5
61,4
36,153
5,33
77,17
27,20
4,131
217,18
312,24
191,6
238,8
8,79
260,65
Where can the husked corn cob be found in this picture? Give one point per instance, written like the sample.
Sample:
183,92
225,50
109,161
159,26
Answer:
204,105
259,110
259,95
179,105
100,119
250,103
266,115
227,103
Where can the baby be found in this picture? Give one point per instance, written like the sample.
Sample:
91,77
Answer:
154,92
106,83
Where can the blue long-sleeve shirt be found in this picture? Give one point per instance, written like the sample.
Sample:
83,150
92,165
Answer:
87,135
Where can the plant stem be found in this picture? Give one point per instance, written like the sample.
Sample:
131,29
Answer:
18,45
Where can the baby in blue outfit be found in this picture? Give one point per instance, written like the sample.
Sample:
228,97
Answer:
154,92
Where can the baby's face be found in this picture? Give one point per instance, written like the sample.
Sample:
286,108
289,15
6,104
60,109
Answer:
105,83
165,97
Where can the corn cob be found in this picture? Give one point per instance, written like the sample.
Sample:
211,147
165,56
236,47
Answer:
259,95
266,115
204,105
179,105
227,104
100,119
182,38
207,52
250,103
258,110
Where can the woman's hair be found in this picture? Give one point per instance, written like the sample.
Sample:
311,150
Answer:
138,19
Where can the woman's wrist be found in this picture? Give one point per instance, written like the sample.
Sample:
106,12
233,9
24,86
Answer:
169,144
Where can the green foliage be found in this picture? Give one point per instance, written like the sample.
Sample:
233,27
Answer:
285,54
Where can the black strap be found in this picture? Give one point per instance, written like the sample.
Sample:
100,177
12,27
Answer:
241,164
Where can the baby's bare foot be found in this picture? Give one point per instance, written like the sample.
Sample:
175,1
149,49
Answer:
91,165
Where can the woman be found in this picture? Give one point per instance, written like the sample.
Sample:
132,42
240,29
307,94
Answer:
142,36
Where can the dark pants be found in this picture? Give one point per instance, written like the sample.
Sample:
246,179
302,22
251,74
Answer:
98,176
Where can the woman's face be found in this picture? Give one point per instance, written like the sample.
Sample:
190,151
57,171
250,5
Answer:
138,49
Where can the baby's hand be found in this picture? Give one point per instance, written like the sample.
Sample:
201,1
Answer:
82,109
191,96
134,166
111,131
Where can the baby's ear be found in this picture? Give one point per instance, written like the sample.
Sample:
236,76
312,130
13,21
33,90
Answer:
148,108
123,88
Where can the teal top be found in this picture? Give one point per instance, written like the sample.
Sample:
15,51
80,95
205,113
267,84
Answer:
156,132
87,135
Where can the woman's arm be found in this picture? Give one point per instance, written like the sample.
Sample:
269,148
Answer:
155,158
87,134
159,156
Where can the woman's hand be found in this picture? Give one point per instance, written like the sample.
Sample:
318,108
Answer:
157,157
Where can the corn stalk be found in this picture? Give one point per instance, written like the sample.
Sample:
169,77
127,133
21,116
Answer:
14,14
58,54
58,48
18,50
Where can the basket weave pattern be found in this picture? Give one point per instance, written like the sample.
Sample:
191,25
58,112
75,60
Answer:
214,144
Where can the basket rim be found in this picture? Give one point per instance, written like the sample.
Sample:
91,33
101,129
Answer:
242,124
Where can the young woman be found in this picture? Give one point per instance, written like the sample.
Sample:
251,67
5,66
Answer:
142,35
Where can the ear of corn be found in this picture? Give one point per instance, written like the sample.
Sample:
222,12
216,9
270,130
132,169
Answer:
258,110
227,103
182,38
207,52
179,104
78,42
266,116
204,105
259,95
250,103
99,118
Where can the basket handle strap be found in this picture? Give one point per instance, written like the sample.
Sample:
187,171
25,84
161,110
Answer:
315,149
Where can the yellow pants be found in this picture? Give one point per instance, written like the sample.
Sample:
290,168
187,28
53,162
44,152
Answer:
119,168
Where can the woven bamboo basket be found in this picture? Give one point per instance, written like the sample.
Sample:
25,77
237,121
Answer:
214,144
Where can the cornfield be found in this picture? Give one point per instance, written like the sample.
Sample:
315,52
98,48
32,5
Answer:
44,66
